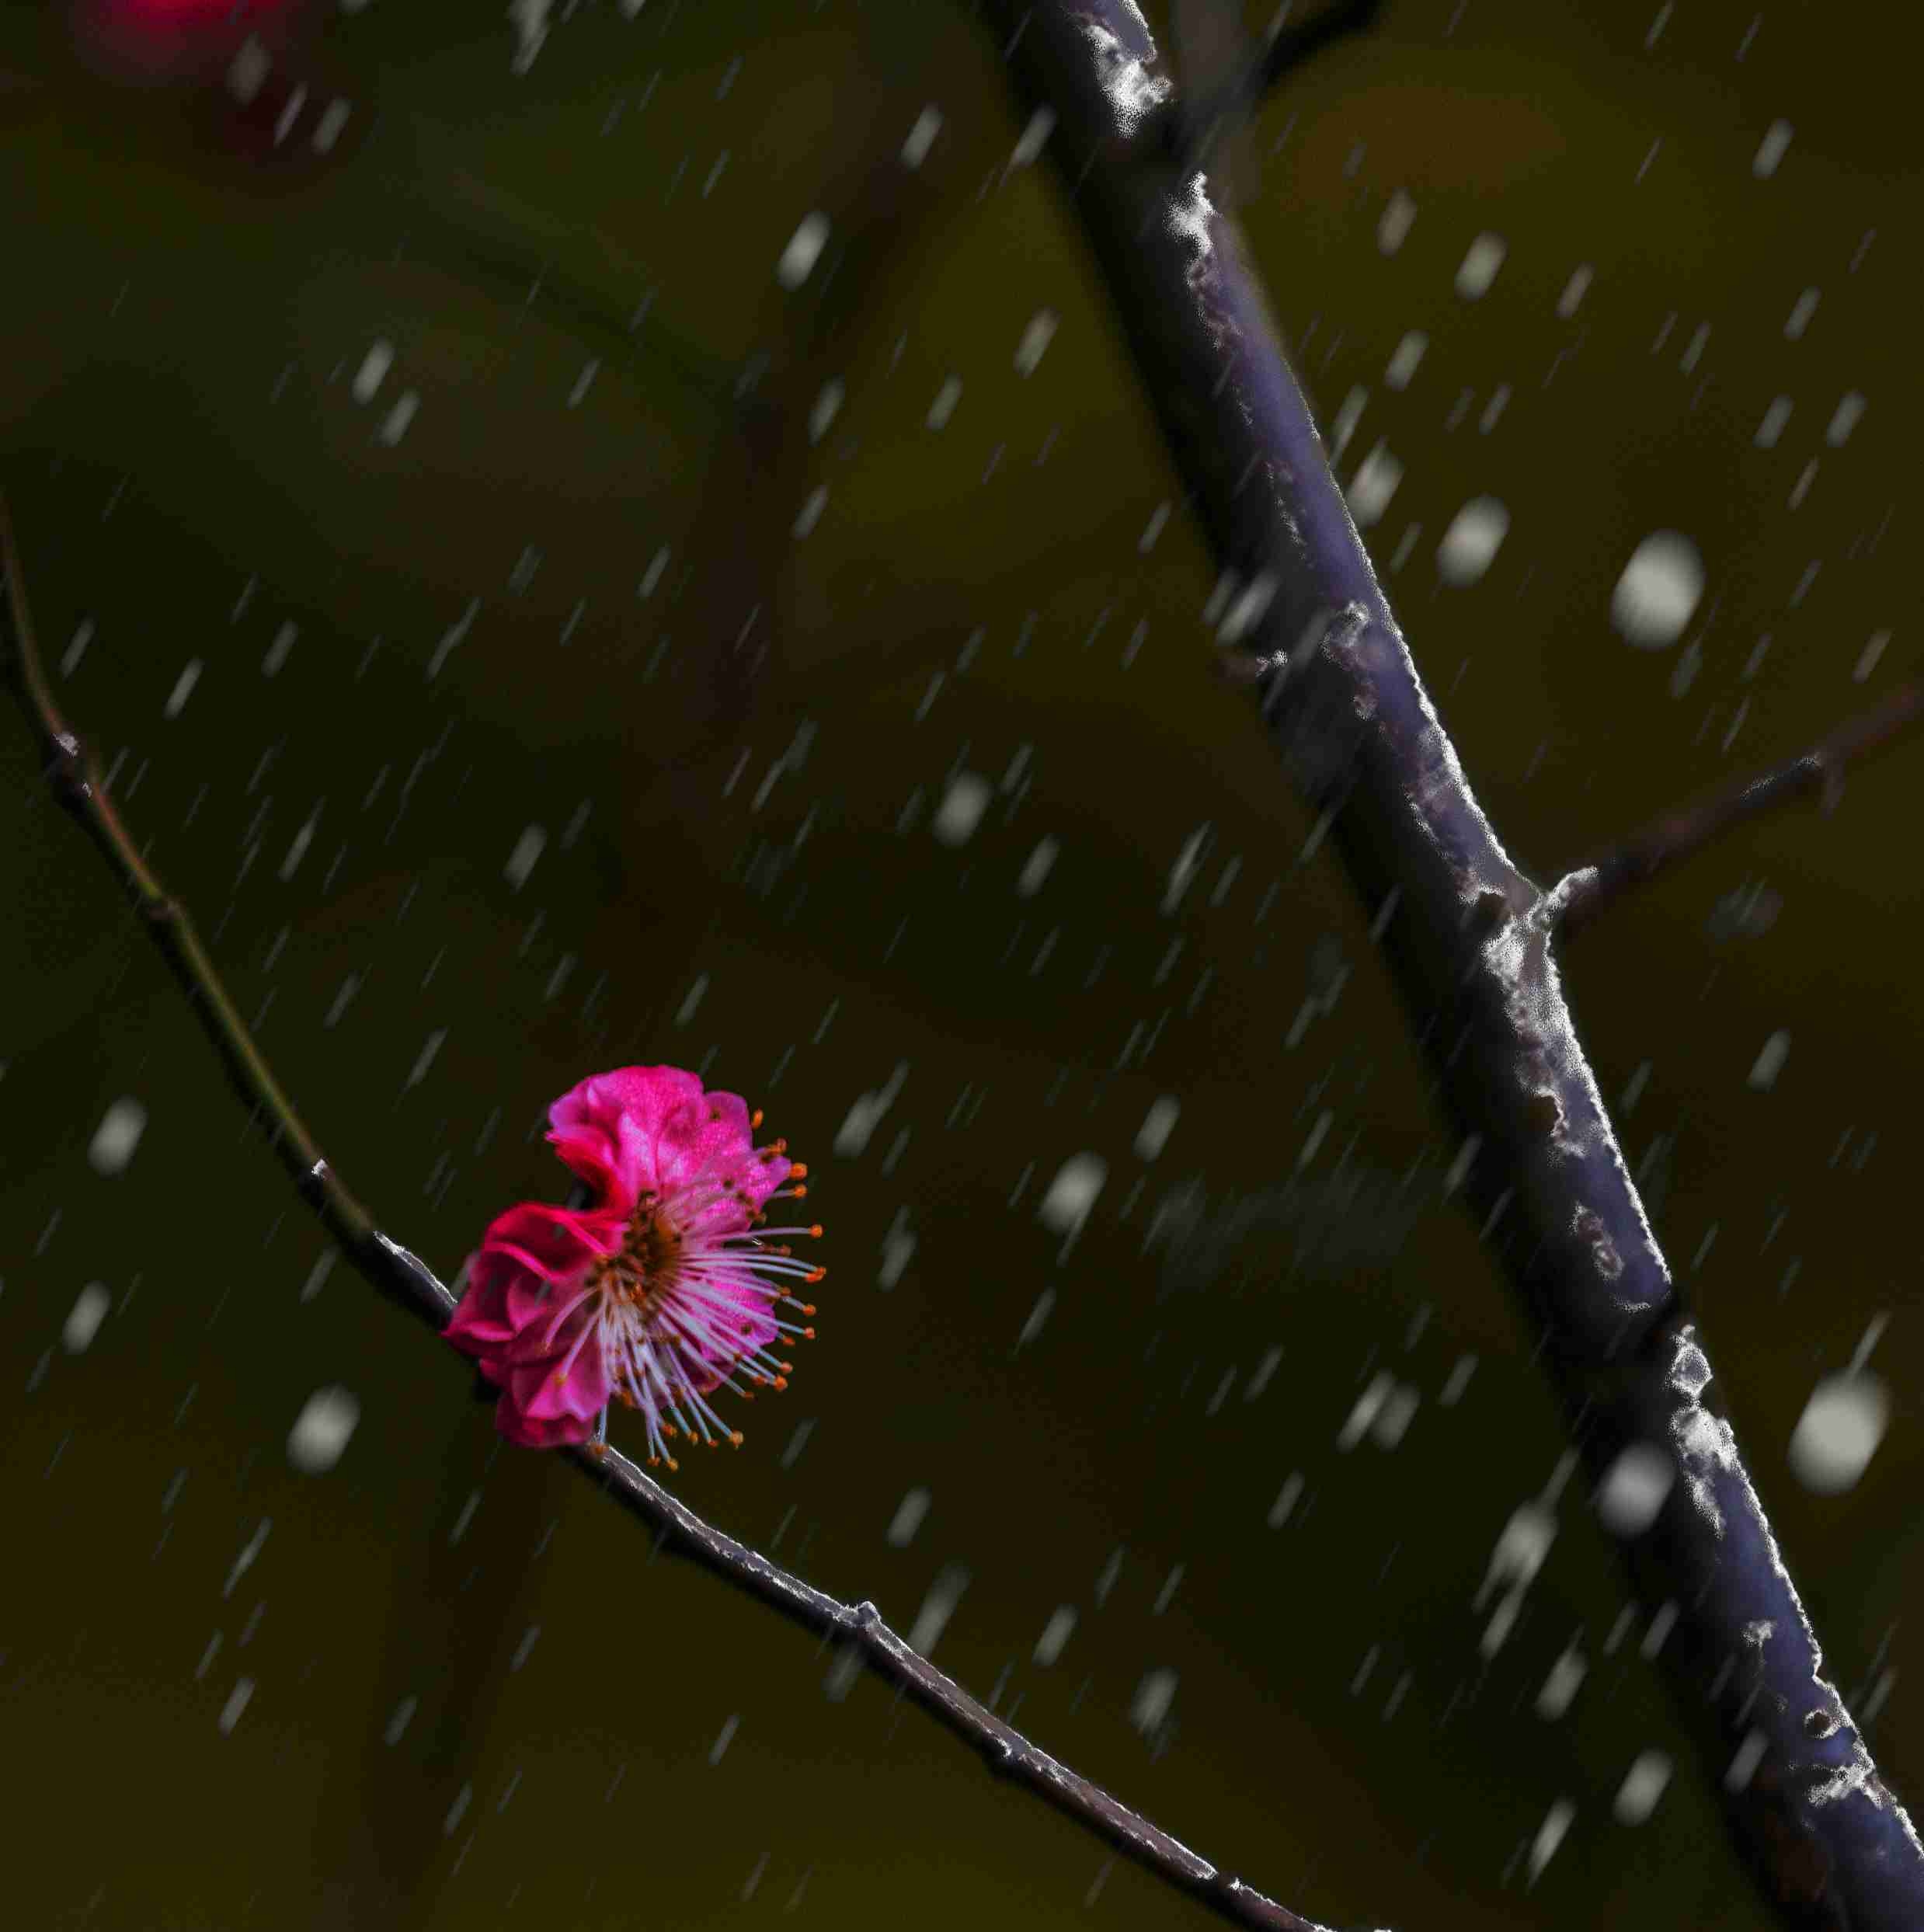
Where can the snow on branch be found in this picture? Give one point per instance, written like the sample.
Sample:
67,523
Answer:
1468,946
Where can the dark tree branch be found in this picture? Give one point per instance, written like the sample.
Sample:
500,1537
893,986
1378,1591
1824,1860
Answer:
408,1282
1588,889
1466,939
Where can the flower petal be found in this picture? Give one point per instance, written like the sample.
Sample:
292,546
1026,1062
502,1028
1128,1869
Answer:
641,1130
556,1243
540,1432
622,1109
555,1387
474,1331
503,1296
592,1154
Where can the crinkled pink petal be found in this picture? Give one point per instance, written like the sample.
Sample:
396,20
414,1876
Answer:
556,1242
733,1192
503,1296
555,1327
559,1386
510,1314
482,1322
474,1331
592,1155
702,1139
522,1382
617,1114
533,1432
530,1298
646,1094
653,1130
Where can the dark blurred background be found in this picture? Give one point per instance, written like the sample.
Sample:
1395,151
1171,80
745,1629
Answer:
533,637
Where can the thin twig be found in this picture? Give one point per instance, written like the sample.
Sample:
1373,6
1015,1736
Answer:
1587,889
413,1285
1466,942
76,784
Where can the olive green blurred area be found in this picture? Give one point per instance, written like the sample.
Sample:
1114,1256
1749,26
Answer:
554,695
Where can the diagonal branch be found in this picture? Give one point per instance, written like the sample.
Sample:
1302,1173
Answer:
408,1282
76,786
1587,889
1467,941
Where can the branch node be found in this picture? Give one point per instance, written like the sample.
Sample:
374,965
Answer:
1566,898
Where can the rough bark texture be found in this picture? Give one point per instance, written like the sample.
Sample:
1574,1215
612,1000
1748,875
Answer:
1467,940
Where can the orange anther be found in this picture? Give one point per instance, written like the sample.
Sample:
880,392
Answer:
808,1334
816,1230
782,1382
815,1274
799,1169
734,1436
754,1119
808,1308
800,1192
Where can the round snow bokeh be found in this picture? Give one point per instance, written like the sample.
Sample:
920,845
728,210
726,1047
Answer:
1659,590
321,1431
1634,1489
1838,1431
1471,544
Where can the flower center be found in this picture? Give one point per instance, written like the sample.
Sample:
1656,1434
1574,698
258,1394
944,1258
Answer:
649,1262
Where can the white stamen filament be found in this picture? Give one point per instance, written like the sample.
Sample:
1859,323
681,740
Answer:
664,1329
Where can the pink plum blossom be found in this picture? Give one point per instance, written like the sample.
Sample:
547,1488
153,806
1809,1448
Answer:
661,1290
